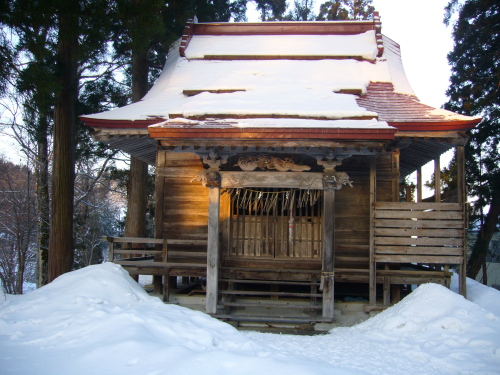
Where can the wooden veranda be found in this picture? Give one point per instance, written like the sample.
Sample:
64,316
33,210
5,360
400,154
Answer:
412,243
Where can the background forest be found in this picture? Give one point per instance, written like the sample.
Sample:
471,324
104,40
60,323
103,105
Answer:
63,58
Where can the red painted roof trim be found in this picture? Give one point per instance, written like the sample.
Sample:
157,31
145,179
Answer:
284,28
457,125
120,124
272,133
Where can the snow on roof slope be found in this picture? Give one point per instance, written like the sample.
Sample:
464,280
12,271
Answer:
97,320
278,123
392,53
361,45
314,76
306,88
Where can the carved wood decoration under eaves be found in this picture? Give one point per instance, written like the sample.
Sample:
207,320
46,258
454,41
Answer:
335,180
252,162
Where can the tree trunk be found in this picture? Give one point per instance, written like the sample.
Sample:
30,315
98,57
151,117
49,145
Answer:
135,224
480,249
63,171
43,204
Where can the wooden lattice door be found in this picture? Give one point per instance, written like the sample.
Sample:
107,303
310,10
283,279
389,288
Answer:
275,223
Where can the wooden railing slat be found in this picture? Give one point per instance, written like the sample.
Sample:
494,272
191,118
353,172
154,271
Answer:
419,241
402,223
136,251
418,206
426,232
145,264
429,215
424,250
425,259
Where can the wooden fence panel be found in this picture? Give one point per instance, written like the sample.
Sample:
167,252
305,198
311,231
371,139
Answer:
427,234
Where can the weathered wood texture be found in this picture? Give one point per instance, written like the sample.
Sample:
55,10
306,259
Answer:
352,221
327,274
154,257
185,207
213,251
428,234
387,177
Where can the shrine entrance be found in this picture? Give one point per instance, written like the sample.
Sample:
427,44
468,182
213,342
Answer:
275,223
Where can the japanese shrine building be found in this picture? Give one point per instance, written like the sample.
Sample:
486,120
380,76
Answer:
279,150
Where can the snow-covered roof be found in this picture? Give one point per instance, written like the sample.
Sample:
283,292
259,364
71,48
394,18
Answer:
359,45
321,71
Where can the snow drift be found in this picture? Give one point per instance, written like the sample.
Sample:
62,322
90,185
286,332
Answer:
97,320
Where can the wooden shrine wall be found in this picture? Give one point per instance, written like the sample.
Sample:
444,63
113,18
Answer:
387,189
352,221
185,204
352,207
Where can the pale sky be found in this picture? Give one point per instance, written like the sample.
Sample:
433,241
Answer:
417,25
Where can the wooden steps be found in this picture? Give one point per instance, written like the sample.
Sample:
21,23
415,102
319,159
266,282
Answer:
264,293
270,305
271,319
270,301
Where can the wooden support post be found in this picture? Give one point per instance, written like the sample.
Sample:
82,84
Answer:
419,184
437,180
166,286
462,198
396,175
373,279
158,224
387,291
111,255
328,252
213,250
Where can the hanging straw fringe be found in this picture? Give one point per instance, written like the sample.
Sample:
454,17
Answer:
255,200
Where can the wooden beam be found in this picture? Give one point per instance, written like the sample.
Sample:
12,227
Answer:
328,252
213,250
159,284
419,184
309,180
437,180
283,28
462,198
373,281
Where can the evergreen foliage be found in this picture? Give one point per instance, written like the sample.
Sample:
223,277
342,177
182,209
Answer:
345,10
475,90
302,10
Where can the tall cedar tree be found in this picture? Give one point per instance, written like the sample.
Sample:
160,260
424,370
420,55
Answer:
63,172
302,10
475,90
35,84
37,81
345,10
83,32
147,28
141,25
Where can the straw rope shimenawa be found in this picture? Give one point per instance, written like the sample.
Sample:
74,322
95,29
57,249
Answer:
265,201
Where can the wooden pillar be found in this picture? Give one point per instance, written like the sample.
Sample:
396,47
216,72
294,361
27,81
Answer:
396,175
437,180
373,192
158,224
328,252
419,184
462,198
213,250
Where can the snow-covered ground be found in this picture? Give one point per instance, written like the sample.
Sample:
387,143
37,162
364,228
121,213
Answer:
97,320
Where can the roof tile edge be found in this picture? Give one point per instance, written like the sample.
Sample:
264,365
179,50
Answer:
284,28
